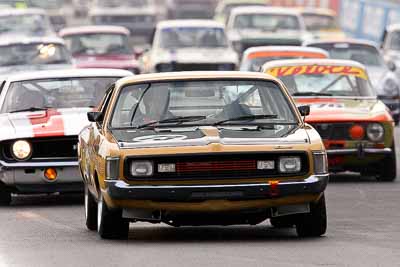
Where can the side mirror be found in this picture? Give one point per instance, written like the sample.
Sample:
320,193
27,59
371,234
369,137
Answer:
94,116
391,65
304,110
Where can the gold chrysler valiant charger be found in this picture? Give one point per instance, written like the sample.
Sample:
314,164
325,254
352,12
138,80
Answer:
202,148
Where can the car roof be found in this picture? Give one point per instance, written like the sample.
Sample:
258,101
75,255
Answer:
19,12
193,75
306,62
343,41
66,73
190,23
94,29
258,49
266,10
18,39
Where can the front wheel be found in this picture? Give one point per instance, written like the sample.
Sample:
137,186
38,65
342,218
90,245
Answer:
110,224
388,171
314,223
90,210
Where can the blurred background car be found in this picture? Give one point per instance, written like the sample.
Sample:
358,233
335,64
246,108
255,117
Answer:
101,47
255,57
190,9
41,115
382,74
224,7
322,23
25,22
139,16
181,45
33,53
55,9
391,45
80,7
261,26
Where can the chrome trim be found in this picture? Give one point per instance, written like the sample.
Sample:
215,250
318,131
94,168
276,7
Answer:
38,164
356,151
123,185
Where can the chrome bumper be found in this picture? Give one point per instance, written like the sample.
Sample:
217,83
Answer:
29,176
359,151
121,190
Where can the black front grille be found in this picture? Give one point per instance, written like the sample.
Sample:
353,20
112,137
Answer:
335,131
49,148
216,166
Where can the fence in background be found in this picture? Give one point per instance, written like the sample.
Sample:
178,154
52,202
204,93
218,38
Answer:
368,19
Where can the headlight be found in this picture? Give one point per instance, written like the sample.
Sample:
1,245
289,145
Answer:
21,150
112,168
375,132
289,164
320,162
141,168
391,87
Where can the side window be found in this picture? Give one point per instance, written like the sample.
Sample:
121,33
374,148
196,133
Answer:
2,83
104,103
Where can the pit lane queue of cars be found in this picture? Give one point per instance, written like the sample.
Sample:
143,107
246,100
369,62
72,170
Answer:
41,115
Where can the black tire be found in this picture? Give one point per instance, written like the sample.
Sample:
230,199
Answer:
110,224
388,171
282,222
5,196
90,210
313,224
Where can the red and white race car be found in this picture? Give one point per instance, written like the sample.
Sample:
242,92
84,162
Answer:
41,115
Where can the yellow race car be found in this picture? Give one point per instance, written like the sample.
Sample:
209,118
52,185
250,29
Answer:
202,148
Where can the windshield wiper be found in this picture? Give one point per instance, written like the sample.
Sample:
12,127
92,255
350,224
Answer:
248,118
311,94
178,120
30,109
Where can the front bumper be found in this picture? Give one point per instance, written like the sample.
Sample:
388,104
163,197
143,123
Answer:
28,177
360,151
120,190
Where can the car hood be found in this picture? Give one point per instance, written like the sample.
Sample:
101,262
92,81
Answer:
196,55
344,109
106,61
24,68
205,135
60,122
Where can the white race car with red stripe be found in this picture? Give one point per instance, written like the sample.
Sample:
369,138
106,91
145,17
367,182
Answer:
41,115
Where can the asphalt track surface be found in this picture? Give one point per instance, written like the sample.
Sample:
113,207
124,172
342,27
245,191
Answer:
363,230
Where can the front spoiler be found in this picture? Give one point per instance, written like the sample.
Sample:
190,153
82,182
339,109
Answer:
120,190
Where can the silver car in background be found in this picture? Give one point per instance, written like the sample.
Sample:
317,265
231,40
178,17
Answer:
382,74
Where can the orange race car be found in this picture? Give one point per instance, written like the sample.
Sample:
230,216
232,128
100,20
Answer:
356,127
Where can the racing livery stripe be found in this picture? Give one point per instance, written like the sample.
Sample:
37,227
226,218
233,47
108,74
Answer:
283,71
48,123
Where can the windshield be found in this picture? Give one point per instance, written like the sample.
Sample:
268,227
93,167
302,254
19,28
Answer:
364,54
28,24
315,22
122,3
207,102
321,80
56,93
267,22
34,54
98,44
46,3
193,37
